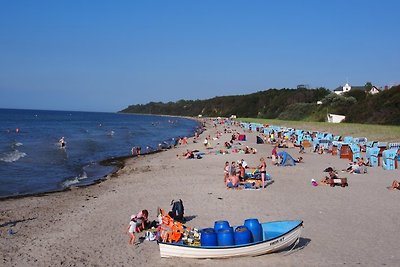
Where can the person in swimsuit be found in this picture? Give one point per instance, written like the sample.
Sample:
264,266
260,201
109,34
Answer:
263,170
226,171
241,172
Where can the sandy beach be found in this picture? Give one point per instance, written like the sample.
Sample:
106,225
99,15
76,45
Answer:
351,226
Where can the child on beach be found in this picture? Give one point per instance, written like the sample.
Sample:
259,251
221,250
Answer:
137,224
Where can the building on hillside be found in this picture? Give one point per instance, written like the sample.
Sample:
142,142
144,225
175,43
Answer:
334,118
343,89
374,90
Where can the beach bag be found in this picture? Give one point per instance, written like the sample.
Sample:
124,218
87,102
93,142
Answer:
178,210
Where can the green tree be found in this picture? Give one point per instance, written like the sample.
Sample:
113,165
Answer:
368,86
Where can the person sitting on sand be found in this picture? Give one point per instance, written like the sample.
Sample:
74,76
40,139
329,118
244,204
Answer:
232,181
189,154
358,167
331,175
137,224
228,145
395,185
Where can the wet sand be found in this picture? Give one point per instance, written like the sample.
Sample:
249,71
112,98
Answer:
352,226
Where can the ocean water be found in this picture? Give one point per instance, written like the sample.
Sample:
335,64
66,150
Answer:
32,160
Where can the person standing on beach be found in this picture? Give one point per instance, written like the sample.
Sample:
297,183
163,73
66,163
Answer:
263,171
131,230
232,169
274,155
226,171
137,224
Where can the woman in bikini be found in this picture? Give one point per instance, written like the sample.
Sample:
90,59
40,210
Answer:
263,171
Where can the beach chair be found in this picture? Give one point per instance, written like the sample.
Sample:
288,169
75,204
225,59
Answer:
355,150
348,139
394,145
382,146
373,156
337,138
299,139
325,143
389,157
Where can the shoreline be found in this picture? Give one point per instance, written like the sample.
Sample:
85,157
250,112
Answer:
340,224
117,163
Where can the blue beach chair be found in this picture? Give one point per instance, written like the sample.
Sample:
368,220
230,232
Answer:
389,157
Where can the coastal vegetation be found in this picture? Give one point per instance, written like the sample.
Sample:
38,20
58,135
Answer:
289,104
374,132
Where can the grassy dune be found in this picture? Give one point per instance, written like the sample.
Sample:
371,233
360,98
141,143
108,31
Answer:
386,133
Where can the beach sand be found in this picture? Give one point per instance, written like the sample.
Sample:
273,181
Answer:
351,226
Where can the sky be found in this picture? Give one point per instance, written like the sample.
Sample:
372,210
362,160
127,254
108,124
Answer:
106,55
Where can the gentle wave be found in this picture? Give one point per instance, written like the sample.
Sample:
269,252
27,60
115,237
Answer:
12,156
75,180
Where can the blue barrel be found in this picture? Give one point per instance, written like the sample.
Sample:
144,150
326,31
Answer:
255,228
225,237
218,225
208,237
242,235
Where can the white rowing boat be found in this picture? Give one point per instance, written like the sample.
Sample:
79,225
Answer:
277,236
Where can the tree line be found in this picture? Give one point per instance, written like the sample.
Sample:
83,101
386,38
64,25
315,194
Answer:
288,104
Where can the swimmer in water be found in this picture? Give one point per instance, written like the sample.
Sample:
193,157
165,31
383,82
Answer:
62,142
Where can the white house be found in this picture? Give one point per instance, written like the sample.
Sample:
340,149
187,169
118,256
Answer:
374,90
333,118
342,89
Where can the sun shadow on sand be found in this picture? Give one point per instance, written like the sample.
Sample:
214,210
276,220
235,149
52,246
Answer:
13,223
189,218
302,243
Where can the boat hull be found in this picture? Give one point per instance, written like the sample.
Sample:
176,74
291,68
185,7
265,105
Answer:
276,236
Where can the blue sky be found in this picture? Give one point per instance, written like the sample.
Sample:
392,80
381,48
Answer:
106,55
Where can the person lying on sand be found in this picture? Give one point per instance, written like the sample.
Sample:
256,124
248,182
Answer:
395,185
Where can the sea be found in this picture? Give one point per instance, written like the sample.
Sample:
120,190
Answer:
32,161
